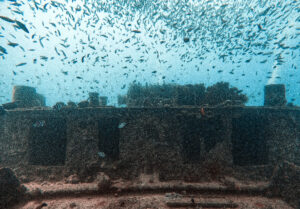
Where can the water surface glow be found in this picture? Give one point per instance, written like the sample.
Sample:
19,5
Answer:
75,47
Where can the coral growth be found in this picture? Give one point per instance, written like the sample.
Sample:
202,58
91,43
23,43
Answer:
178,95
221,91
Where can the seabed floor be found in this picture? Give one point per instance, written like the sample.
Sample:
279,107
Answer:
146,194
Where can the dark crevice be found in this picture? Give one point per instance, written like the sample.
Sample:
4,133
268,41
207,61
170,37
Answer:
109,135
248,140
198,132
47,142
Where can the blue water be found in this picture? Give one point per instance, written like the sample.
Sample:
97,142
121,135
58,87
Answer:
69,48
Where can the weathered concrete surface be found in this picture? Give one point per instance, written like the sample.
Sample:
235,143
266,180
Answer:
178,143
186,144
285,183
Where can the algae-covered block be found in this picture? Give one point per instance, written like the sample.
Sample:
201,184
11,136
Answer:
275,95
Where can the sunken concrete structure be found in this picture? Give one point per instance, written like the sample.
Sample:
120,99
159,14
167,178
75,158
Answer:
25,97
187,144
94,99
275,95
228,140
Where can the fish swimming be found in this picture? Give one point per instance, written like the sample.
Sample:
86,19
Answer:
16,4
18,12
3,50
101,154
38,124
44,58
7,19
40,40
136,31
92,47
12,44
21,64
22,26
122,125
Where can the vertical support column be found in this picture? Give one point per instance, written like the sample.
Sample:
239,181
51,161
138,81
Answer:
94,99
275,95
23,93
103,101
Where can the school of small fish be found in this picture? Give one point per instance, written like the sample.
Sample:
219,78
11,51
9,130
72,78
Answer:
146,31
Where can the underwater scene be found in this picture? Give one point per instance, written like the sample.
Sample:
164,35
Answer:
149,104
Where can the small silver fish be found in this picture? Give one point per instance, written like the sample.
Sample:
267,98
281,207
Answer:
40,123
101,154
122,125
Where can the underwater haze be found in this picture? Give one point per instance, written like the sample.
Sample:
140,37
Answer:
69,48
